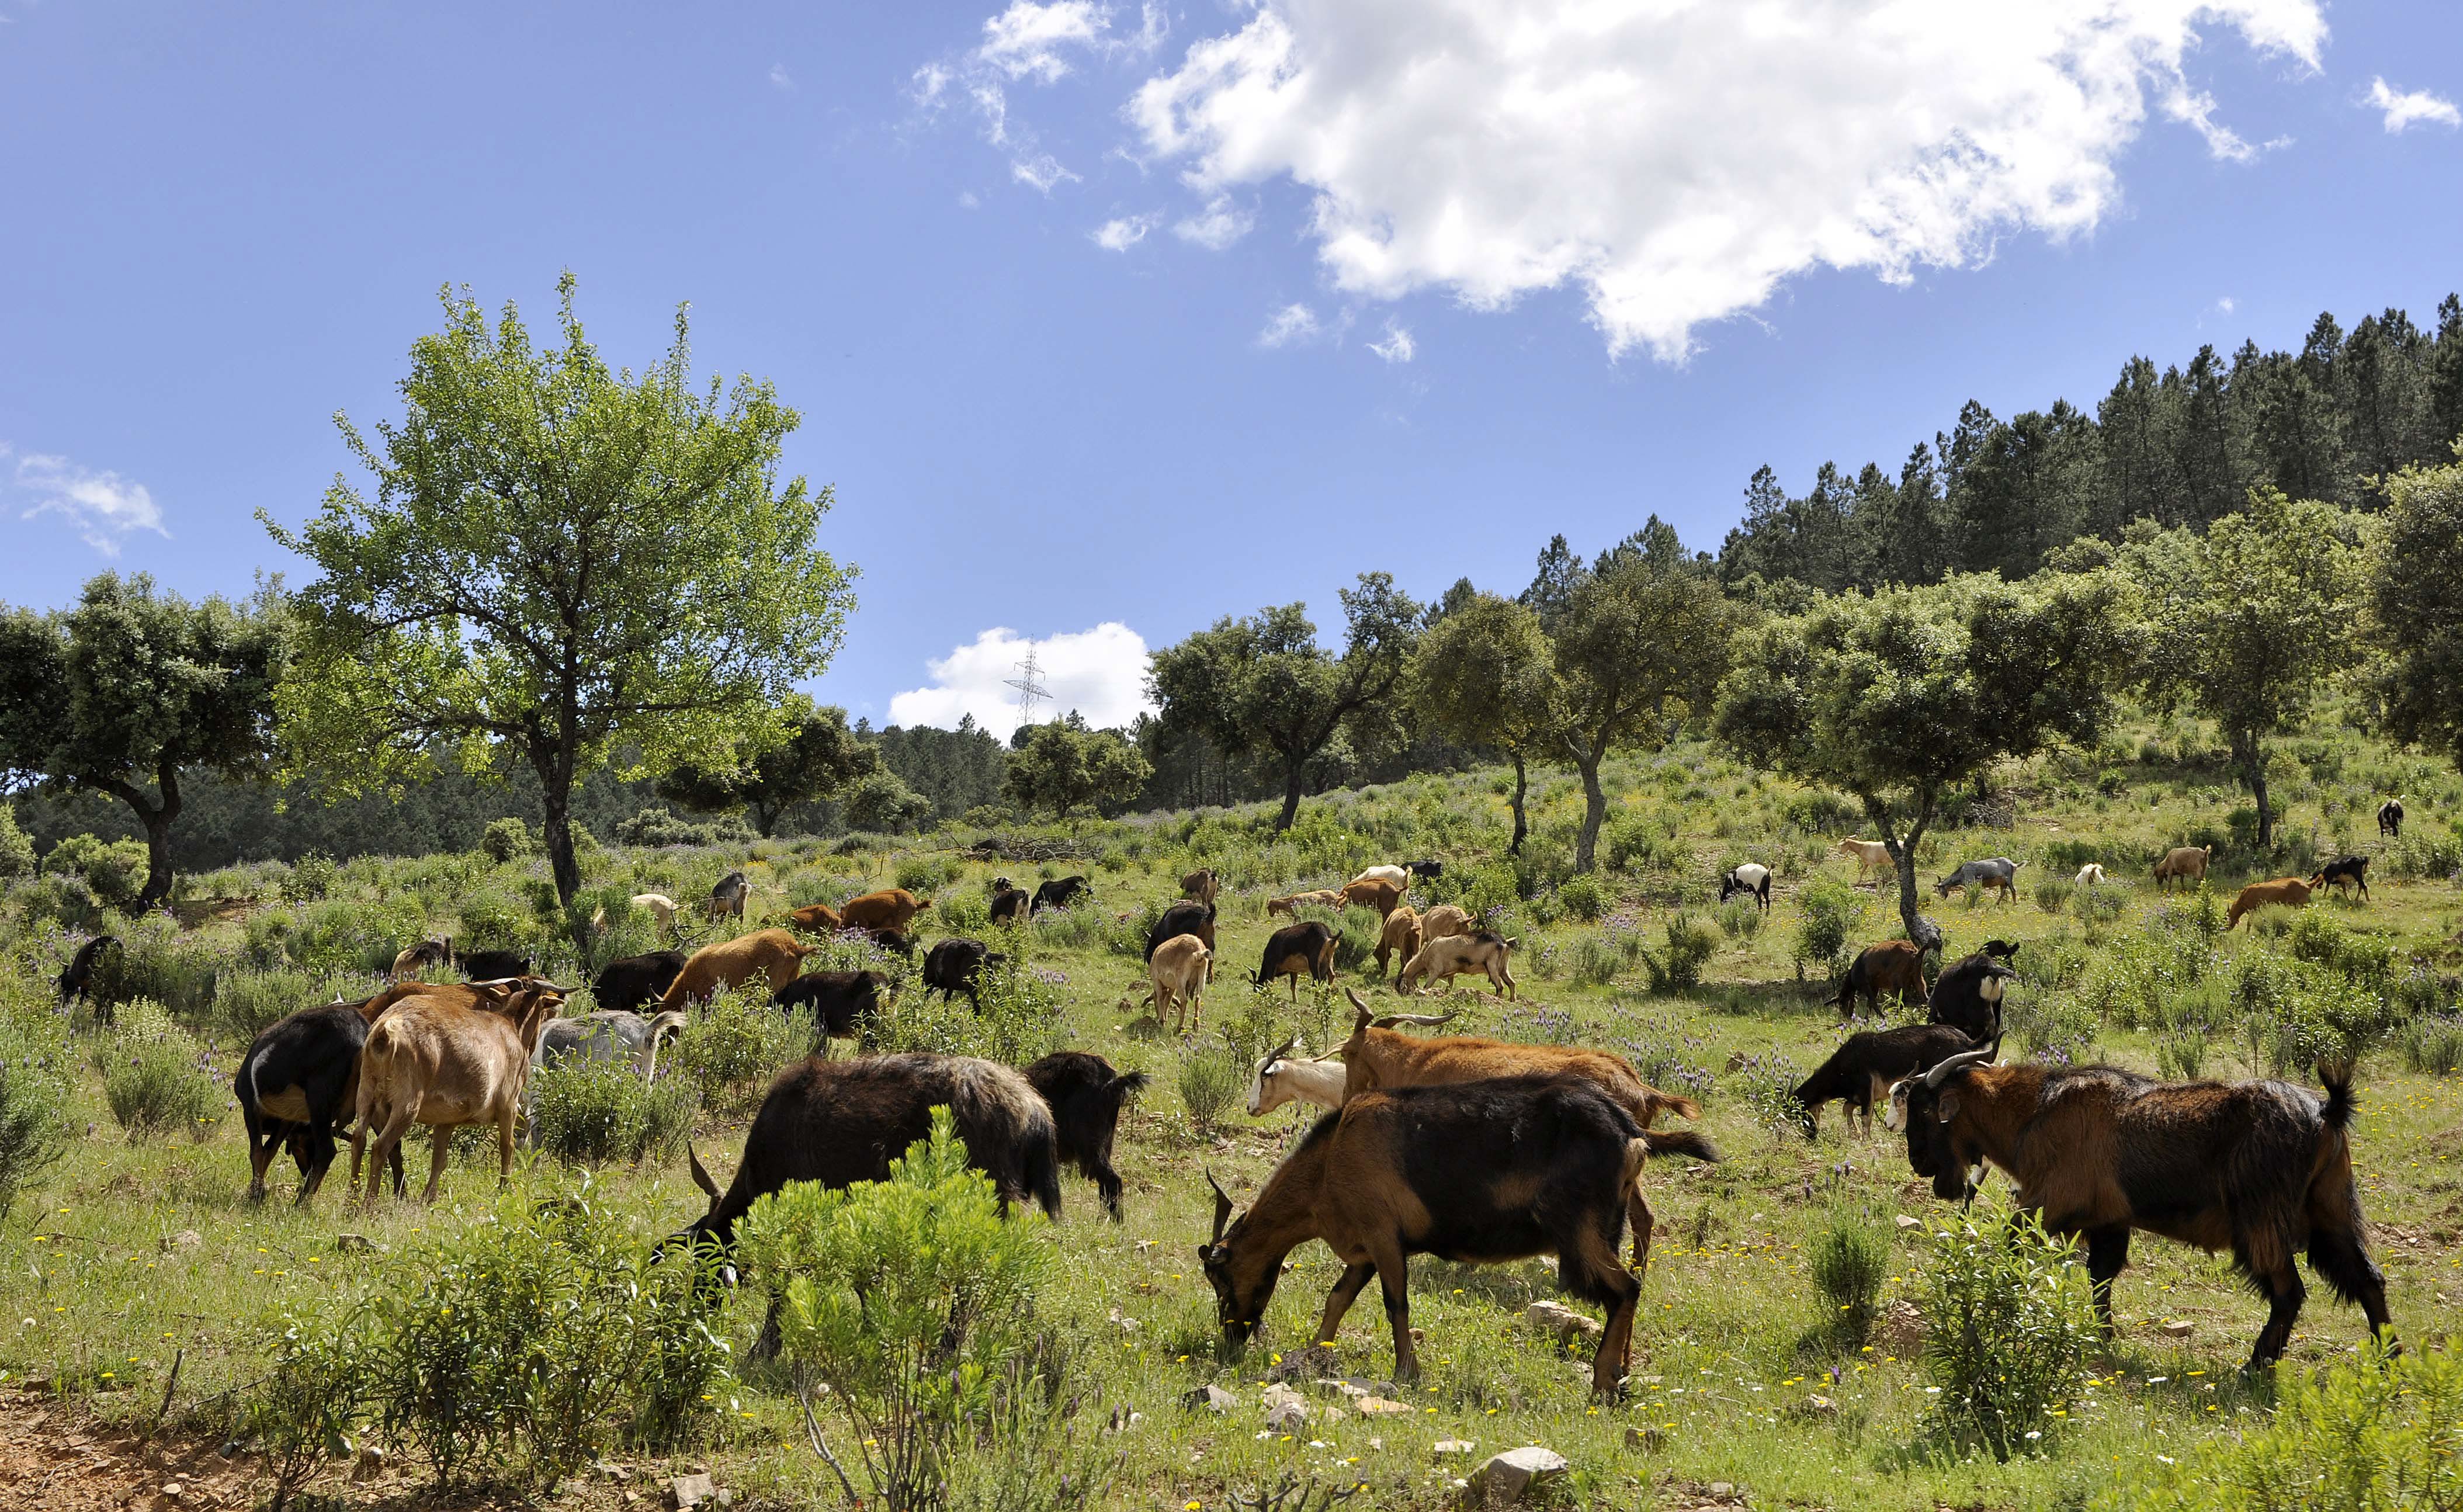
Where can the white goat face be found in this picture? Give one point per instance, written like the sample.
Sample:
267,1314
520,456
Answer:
1895,1117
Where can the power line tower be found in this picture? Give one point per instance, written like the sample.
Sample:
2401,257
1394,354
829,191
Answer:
1029,684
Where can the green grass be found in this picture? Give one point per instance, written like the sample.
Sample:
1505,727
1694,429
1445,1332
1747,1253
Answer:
101,1283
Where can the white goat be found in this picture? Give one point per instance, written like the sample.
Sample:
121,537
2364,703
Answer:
2090,875
1279,1081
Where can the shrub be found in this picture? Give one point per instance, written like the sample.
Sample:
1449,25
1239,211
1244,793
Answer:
154,1074
963,911
1678,968
303,1410
590,1112
1849,1259
1818,811
507,838
2430,1045
114,870
928,874
2053,1026
655,825
1211,1082
1740,918
156,960
17,850
913,1302
1769,1081
246,1000
63,901
1580,898
33,1116
1831,910
309,877
737,1041
2053,893
2181,1056
2009,1323
2358,1435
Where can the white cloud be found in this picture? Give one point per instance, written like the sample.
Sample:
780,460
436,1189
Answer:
1102,674
1030,40
2226,304
1677,162
1398,345
101,506
1125,232
1221,223
1293,323
967,200
1037,44
1040,172
779,79
2405,108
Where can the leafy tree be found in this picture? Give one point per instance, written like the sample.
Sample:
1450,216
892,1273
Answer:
1064,766
882,804
2250,620
957,769
132,688
1264,687
1640,649
2418,584
1483,675
821,756
560,561
1898,698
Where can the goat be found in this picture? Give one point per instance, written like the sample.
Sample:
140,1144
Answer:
841,1002
1200,885
496,966
608,1035
816,918
1401,934
1431,1171
2262,1168
2290,893
1893,965
890,942
76,978
1295,950
1860,1072
772,955
297,1086
1443,960
2184,863
658,906
635,980
956,966
429,1062
1399,876
2345,872
1291,904
889,909
1447,918
1378,1057
1009,904
427,955
1996,872
1870,855
1176,974
728,896
1184,917
1751,878
1279,1079
2090,875
1966,995
1424,870
1375,892
2391,819
1061,892
1086,1096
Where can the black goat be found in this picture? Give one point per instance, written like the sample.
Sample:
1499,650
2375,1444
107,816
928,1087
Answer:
841,1002
1966,995
1061,892
299,1088
495,966
2261,1169
1183,919
635,980
1297,950
76,979
1086,1096
1425,869
2344,871
1859,1072
955,967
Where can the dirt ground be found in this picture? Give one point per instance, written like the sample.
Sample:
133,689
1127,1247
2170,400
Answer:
55,1457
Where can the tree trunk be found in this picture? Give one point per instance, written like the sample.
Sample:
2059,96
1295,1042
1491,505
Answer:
556,830
1902,857
1595,813
156,818
1290,794
1521,823
2251,759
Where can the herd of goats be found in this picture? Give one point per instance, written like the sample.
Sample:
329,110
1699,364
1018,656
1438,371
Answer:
1477,1151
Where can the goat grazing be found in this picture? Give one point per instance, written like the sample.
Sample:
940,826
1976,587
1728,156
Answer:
2183,863
1061,892
816,918
1279,1079
889,909
635,980
298,1086
1892,966
2345,872
1086,1096
2391,819
1200,885
1753,879
1443,960
2090,875
2289,892
1401,935
429,1062
841,1002
1195,920
1446,919
1872,855
417,960
1296,951
1859,1072
76,979
956,966
1996,873
773,956
1177,973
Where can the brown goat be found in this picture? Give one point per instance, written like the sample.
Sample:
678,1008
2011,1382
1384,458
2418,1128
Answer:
1401,935
1893,967
430,1062
816,918
1199,885
1373,893
1444,961
1176,974
1321,897
2185,864
889,909
2290,893
1296,951
773,956
1445,919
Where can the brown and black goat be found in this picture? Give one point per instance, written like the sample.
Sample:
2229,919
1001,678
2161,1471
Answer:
1433,1171
1859,1072
1296,951
2261,1168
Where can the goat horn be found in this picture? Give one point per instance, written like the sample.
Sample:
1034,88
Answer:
1964,1060
1358,1007
1222,1208
701,1175
1277,1052
1426,1020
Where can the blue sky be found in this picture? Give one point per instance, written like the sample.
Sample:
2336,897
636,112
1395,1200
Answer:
1105,322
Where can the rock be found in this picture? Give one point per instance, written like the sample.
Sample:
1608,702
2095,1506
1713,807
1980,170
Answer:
354,1244
1560,1321
2177,1330
1909,1221
1721,1490
1450,1448
184,1239
1649,1441
1815,1406
369,1464
1212,1398
1378,1406
173,1491
1287,1417
686,1492
1512,1475
1126,1325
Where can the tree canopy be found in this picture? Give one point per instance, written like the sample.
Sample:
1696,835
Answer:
1483,675
1064,766
133,686
560,561
820,758
2418,588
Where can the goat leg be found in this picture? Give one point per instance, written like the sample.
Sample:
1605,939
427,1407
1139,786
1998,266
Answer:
1338,1301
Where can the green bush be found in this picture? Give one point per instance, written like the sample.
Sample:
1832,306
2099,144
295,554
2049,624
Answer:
590,1112
1580,898
66,902
159,961
507,838
1211,1084
1767,1084
963,911
1740,918
737,1042
2052,892
927,876
1829,913
247,1000
913,1303
17,851
114,869
656,826
2366,1434
1678,967
154,1074
33,1110
309,879
1849,1259
2430,1044
2009,1323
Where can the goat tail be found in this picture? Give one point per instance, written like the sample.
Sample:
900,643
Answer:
1041,1171
2341,1105
1680,1142
1129,1085
1655,1102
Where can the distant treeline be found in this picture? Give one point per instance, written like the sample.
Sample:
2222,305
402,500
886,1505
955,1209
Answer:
2182,446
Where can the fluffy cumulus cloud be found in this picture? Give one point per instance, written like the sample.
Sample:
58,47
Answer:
2406,108
1677,160
103,507
1102,674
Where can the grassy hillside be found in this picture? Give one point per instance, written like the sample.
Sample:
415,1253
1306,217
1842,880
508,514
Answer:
129,1252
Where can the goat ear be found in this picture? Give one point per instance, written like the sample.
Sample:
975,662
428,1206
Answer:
701,1175
1949,1105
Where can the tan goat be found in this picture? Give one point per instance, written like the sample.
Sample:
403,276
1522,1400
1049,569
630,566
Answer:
1401,935
1176,976
1373,893
2185,864
1447,918
1871,856
1321,897
1199,885
2289,892
772,955
889,909
430,1062
1444,961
